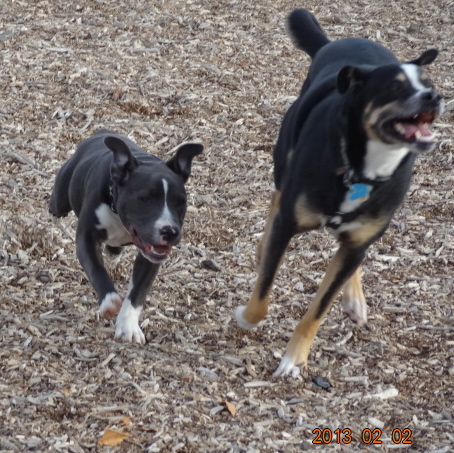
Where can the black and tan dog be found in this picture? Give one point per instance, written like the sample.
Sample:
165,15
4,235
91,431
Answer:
344,160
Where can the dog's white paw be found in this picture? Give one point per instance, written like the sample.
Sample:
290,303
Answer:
287,367
127,327
110,305
239,316
356,309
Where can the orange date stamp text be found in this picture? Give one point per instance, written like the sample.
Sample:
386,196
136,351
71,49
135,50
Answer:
366,436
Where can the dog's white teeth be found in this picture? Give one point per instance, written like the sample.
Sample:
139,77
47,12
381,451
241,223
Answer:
418,135
426,138
399,128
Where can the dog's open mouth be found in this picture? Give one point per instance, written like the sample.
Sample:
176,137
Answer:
154,252
414,129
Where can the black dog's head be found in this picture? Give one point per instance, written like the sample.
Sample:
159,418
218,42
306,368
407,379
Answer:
398,102
150,197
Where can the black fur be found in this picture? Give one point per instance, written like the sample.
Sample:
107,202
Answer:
122,195
343,159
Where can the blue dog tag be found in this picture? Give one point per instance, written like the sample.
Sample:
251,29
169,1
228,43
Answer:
359,192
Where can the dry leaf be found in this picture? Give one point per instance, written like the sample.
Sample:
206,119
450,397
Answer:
111,438
126,420
230,407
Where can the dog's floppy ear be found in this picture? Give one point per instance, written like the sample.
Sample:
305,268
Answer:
425,58
181,162
349,77
123,161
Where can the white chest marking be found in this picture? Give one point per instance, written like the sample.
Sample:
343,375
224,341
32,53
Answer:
166,217
381,160
117,234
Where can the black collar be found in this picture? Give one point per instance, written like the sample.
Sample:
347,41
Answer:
352,182
112,189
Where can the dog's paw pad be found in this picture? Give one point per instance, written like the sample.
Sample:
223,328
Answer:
239,316
287,367
127,328
356,310
110,305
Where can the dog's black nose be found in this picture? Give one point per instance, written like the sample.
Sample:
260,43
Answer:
169,233
431,96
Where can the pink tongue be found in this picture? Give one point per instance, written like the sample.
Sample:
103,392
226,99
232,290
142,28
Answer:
147,248
162,248
150,248
411,129
424,128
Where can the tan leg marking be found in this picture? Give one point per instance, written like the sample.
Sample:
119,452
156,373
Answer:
274,209
365,232
353,301
305,217
257,308
299,345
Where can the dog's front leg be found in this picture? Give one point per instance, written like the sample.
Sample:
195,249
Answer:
89,254
353,301
342,267
271,249
127,327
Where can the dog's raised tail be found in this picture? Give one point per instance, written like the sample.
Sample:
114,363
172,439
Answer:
306,32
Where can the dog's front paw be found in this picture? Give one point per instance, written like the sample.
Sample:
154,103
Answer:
127,328
356,309
110,305
130,334
287,367
240,319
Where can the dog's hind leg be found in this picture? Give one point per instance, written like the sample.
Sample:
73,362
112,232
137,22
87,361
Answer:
343,265
353,300
271,249
274,209
59,204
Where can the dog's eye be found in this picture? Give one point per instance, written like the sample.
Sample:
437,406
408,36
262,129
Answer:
146,199
396,86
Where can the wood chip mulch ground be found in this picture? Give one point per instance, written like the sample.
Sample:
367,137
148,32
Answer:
222,73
